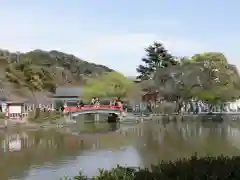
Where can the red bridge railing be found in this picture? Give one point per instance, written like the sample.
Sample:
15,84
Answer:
92,108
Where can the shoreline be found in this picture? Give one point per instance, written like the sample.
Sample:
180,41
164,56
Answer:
61,123
33,125
194,167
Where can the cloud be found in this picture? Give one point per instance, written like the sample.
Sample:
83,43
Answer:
124,51
132,43
120,51
119,47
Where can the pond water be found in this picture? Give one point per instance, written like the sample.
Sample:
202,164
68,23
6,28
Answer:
87,146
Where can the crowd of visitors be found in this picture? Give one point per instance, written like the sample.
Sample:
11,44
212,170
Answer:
96,102
117,102
196,107
191,107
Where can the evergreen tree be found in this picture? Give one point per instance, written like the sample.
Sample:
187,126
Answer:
156,57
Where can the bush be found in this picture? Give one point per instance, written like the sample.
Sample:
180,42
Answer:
165,108
44,116
58,105
206,168
2,115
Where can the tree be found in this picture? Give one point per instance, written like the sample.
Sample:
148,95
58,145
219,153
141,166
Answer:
217,57
222,78
186,60
94,88
110,85
216,95
35,78
156,57
205,76
26,75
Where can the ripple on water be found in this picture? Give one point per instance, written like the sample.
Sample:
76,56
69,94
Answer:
89,163
139,144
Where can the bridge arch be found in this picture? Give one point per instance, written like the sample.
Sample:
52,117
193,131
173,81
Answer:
103,109
74,114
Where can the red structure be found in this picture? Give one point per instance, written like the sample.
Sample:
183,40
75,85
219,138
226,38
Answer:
150,96
15,110
92,108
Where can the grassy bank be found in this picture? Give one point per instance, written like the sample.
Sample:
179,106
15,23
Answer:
41,116
2,115
206,168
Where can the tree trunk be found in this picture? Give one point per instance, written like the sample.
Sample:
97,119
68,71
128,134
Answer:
36,106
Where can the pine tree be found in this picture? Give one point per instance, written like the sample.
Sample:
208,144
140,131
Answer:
156,57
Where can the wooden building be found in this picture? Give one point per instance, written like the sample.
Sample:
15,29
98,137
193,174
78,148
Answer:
15,107
150,96
150,90
67,95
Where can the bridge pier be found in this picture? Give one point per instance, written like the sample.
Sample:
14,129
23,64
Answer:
112,117
115,112
96,117
69,118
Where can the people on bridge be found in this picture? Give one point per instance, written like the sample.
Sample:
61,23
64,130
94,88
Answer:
117,103
93,101
112,103
81,104
97,102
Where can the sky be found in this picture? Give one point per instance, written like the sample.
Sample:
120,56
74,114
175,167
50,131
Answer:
115,32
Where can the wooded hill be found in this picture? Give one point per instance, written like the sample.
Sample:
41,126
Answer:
67,68
72,68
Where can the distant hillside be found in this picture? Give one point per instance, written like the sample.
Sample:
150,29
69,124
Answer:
69,69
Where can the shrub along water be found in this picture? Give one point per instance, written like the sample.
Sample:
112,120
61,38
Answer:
194,168
42,116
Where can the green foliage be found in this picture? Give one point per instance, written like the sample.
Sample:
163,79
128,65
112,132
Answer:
165,108
156,57
44,116
225,89
59,104
216,95
109,85
206,76
210,56
26,74
186,60
2,115
94,88
68,68
194,168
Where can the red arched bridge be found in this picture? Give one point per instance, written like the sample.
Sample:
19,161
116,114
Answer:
89,109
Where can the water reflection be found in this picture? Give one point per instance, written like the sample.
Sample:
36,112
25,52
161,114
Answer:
51,154
93,128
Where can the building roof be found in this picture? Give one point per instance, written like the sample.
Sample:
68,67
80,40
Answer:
40,98
3,96
6,96
15,99
68,92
